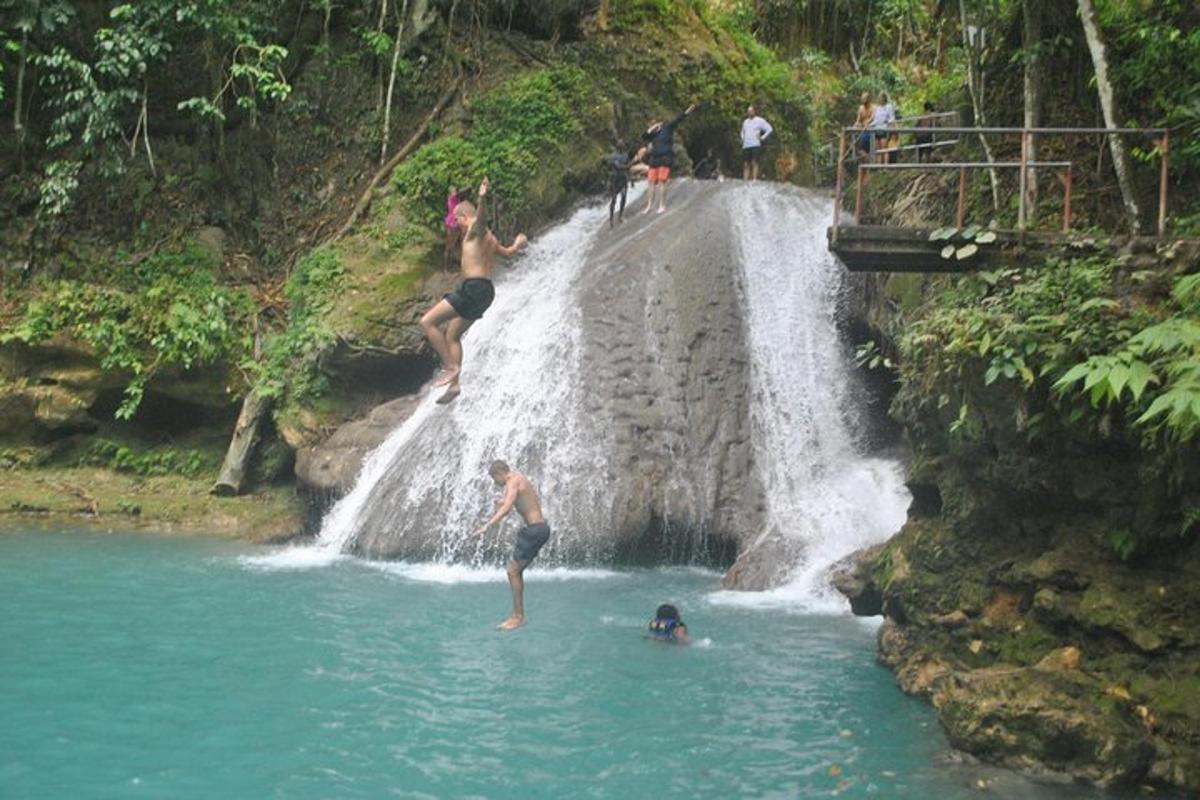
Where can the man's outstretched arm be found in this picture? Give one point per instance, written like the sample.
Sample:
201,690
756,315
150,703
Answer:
517,245
479,225
506,505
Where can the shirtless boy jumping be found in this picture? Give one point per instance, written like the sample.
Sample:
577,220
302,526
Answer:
449,319
519,492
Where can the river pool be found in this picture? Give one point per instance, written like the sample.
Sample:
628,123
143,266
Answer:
141,666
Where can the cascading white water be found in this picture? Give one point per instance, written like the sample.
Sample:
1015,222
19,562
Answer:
519,403
523,402
807,423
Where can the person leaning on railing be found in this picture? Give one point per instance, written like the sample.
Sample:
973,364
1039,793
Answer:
866,112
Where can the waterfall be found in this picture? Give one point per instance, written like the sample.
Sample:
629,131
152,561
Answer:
532,397
519,404
807,415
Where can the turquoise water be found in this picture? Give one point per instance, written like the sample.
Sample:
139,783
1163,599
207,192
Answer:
135,666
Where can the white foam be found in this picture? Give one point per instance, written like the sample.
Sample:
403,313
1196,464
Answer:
293,558
453,574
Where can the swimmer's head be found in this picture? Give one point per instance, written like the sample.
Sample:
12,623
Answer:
499,471
667,611
464,212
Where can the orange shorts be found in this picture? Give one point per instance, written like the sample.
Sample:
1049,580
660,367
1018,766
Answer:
658,174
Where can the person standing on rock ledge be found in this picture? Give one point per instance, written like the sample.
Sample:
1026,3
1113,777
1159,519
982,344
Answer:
661,138
755,131
445,323
518,492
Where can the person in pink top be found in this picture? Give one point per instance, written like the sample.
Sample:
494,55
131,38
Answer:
453,230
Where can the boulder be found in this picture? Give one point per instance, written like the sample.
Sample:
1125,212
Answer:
854,577
1027,718
332,466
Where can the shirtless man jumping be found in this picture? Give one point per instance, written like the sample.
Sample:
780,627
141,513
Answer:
449,319
519,492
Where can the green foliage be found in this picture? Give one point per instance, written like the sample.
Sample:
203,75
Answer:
100,85
290,367
1123,542
157,461
166,311
639,12
868,355
1063,337
517,125
1155,61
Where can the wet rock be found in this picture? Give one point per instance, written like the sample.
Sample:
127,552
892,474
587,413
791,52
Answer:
853,577
1062,659
955,619
1028,718
332,466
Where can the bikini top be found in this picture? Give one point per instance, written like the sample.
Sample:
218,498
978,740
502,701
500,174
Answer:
663,628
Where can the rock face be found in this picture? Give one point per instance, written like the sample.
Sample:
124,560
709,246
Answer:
332,466
666,367
631,404
1040,647
58,388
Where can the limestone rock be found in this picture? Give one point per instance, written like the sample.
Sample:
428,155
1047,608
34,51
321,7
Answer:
1062,659
853,577
1026,717
332,466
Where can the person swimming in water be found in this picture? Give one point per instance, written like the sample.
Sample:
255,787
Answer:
519,493
618,163
661,137
667,626
446,322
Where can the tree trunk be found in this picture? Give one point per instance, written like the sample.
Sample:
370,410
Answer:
1091,31
975,85
18,126
1032,36
233,471
387,104
365,199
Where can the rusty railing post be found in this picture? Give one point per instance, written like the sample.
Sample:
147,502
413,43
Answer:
1067,203
837,192
858,187
1023,179
1162,186
962,198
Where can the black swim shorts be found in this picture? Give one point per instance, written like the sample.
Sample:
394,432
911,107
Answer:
472,297
530,540
750,155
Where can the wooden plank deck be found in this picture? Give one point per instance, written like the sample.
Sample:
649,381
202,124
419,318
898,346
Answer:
881,248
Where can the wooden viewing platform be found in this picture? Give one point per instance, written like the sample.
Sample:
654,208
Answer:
886,248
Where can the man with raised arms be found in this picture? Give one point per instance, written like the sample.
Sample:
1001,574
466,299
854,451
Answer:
661,138
518,492
445,323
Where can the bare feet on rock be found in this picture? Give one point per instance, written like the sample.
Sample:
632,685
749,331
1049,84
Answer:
512,623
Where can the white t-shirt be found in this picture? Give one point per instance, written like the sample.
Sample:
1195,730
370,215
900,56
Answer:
754,130
884,115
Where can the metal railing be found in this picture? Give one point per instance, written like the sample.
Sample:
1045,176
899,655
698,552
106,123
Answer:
1162,146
